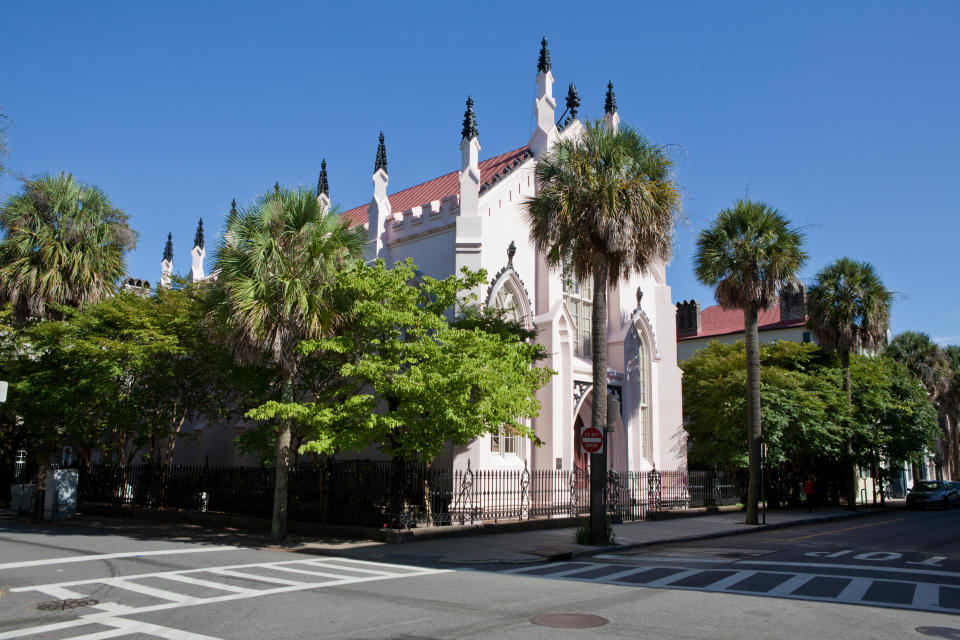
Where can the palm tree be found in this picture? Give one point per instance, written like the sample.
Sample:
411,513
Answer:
64,244
848,310
276,262
931,365
746,255
606,205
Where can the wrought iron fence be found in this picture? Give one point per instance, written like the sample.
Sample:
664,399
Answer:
378,493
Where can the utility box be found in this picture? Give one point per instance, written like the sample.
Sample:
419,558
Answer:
21,498
60,497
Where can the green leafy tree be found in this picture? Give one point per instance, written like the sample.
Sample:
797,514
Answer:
801,405
848,310
746,255
64,244
804,407
276,263
606,205
122,376
929,362
896,420
409,378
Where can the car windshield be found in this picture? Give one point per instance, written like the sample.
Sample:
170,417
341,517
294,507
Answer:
928,486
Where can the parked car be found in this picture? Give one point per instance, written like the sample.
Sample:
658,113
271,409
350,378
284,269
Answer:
956,491
935,493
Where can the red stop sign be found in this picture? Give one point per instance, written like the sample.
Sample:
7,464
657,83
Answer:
592,439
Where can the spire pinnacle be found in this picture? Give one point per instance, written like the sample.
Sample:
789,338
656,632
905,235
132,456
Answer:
610,104
323,186
469,131
381,162
543,63
168,248
573,101
233,208
198,236
276,189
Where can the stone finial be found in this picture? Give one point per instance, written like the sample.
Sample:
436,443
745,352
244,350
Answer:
323,184
573,101
543,62
639,296
276,189
198,236
381,162
610,103
469,131
233,207
511,251
168,248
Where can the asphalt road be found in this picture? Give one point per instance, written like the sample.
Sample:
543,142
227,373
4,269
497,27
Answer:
65,584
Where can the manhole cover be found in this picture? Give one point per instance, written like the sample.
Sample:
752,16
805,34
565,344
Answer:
950,633
72,603
569,620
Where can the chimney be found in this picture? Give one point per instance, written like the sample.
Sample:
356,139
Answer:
688,318
792,303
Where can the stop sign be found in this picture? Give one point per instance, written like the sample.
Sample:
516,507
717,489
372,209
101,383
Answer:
591,439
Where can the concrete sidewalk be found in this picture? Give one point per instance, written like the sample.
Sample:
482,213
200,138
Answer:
557,544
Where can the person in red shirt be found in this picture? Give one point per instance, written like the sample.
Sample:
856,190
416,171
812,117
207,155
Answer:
810,490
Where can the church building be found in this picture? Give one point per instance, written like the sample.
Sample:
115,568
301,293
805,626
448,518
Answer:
473,217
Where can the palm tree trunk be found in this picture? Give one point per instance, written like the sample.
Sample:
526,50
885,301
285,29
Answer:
851,463
598,414
278,530
754,432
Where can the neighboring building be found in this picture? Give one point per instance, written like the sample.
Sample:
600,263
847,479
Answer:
473,217
786,320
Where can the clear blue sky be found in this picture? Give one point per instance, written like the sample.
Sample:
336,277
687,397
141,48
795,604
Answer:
842,115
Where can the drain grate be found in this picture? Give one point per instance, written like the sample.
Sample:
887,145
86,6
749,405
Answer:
71,603
569,620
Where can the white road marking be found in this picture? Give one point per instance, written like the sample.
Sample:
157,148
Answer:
926,596
854,591
665,559
110,610
109,556
666,580
573,572
255,577
143,589
788,587
210,584
729,581
859,567
60,593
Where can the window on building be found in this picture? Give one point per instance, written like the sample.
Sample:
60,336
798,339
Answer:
507,300
578,297
645,441
504,444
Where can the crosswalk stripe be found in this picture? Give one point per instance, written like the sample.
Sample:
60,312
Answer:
210,584
927,596
788,587
162,594
729,581
255,576
666,580
854,591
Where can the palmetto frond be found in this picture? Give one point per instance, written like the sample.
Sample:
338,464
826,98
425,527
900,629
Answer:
609,193
848,307
925,358
747,254
64,244
277,259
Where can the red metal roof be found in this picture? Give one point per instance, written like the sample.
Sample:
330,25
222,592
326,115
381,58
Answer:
436,189
717,321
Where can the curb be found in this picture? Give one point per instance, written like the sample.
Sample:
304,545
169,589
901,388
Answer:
577,553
